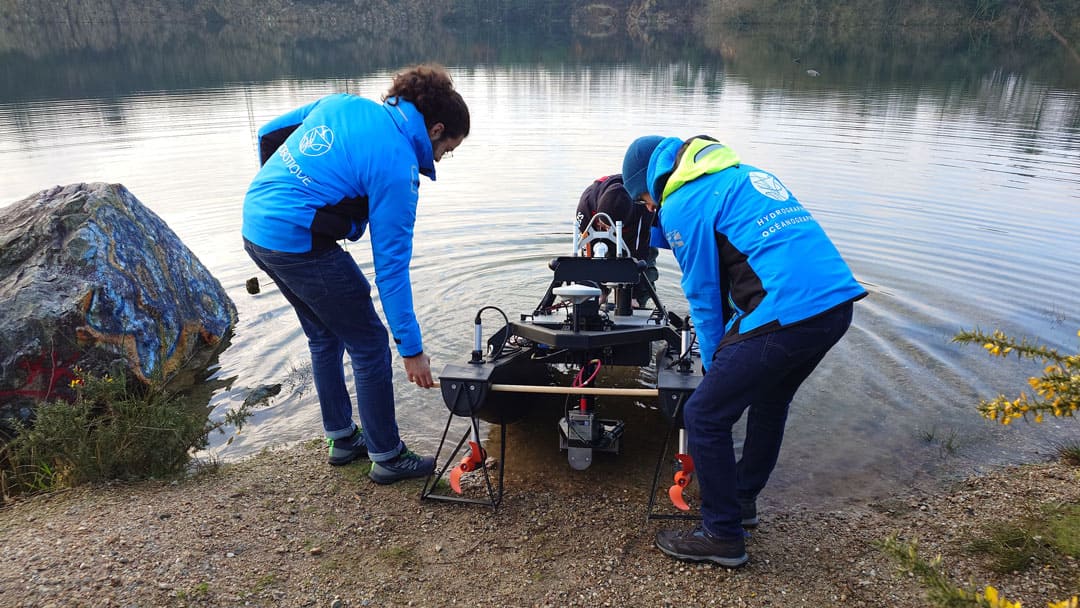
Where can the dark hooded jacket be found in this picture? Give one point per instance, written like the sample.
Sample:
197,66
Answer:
607,195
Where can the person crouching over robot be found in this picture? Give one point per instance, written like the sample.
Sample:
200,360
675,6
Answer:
608,196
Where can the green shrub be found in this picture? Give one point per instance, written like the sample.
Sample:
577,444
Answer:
108,432
1069,452
1051,537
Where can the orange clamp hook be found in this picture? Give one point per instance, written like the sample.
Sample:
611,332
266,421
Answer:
682,479
473,461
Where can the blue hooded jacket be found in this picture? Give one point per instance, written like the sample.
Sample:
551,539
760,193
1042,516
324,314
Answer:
334,168
753,258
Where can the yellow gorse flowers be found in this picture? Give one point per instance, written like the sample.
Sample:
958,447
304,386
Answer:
990,599
997,349
1056,392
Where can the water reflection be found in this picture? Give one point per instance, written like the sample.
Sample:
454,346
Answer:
95,57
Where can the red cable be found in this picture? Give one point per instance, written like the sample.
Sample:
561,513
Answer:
578,382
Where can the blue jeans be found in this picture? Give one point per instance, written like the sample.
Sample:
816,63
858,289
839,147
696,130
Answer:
333,302
761,374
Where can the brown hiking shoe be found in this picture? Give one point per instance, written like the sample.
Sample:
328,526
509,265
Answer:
699,545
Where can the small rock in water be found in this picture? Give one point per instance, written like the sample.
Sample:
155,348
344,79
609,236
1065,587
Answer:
813,73
261,394
253,285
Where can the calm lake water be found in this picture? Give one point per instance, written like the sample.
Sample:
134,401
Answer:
950,182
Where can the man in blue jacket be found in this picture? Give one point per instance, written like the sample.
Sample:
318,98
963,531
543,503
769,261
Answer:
769,295
331,170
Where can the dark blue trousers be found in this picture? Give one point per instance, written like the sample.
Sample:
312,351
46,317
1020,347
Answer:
759,375
332,300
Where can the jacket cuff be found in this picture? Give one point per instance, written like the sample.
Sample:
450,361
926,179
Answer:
410,349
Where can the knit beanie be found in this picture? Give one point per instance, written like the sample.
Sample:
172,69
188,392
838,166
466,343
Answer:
635,164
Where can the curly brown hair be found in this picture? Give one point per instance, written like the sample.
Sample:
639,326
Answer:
429,87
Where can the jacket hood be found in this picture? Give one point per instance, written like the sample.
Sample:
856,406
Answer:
676,163
410,122
661,165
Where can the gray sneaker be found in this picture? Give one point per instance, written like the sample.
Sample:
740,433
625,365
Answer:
347,449
699,545
405,466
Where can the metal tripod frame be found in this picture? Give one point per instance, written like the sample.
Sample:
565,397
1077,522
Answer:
680,399
464,398
495,493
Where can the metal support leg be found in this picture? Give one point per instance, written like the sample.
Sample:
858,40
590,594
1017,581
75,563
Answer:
494,492
676,416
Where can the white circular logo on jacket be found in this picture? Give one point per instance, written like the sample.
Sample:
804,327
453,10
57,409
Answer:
317,141
769,186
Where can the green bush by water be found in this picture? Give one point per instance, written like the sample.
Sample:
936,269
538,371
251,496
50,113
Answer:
108,432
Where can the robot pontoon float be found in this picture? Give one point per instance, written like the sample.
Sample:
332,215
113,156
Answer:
571,327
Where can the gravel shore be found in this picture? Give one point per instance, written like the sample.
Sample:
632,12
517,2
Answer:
284,529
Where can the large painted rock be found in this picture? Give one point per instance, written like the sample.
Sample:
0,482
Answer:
91,278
